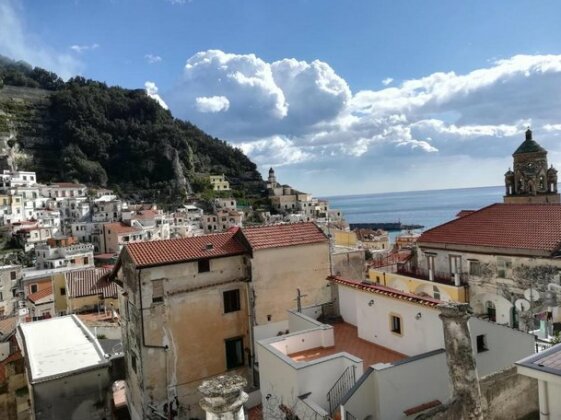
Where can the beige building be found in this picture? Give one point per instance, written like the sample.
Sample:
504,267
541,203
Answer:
219,182
374,240
192,307
84,290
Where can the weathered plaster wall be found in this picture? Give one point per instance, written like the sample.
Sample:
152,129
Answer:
508,395
278,272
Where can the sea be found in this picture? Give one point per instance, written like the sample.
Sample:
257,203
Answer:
426,208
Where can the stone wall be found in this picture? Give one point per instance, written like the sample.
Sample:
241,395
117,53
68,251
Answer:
508,395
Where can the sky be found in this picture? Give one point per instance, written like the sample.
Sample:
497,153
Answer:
339,96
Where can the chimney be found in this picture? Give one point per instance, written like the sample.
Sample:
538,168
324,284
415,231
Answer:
223,397
461,361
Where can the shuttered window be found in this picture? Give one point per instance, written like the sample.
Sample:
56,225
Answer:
158,290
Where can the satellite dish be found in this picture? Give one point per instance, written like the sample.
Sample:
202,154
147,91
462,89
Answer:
531,295
522,305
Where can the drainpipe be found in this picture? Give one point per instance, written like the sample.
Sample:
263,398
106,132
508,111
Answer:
544,399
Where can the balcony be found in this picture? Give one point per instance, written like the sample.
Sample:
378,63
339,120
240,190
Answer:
448,279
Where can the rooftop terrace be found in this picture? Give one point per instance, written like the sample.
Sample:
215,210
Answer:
347,340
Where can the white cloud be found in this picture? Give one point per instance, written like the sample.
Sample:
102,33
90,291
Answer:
81,48
18,43
152,91
301,113
212,103
387,81
152,58
274,151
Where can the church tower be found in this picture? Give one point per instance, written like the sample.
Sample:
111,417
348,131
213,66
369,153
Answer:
272,181
531,181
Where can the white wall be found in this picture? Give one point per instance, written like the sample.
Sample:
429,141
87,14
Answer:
389,390
373,321
300,322
505,345
286,380
305,340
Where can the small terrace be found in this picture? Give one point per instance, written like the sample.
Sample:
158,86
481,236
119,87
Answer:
448,279
346,339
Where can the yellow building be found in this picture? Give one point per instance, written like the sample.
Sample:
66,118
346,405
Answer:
423,287
344,238
84,290
193,307
219,182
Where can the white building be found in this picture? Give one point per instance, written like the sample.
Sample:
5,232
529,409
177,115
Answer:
67,369
64,255
394,338
546,368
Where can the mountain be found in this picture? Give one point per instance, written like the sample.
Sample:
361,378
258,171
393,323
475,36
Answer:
101,135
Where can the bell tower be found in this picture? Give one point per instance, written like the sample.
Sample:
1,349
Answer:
530,180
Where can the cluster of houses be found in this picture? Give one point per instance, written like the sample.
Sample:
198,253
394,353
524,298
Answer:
286,320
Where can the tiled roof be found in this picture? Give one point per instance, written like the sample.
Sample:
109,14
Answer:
88,282
146,215
523,227
7,327
463,213
275,236
120,227
41,294
170,251
385,291
546,361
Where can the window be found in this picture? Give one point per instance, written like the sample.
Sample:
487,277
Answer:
33,288
491,311
455,264
234,353
157,290
86,261
12,275
474,268
231,301
436,292
62,291
503,267
482,343
204,266
395,324
133,362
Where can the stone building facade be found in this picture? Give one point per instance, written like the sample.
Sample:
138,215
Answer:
531,181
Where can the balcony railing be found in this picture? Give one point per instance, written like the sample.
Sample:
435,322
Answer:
438,277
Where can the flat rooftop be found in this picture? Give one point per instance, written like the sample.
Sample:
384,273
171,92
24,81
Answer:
347,340
58,347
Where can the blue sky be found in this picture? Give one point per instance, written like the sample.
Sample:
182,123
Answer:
340,96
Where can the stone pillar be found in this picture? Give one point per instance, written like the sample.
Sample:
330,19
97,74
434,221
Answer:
223,397
461,361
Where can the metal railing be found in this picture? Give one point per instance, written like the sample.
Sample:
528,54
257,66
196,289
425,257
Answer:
438,277
340,388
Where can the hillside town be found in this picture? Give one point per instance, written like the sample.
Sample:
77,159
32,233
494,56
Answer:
113,309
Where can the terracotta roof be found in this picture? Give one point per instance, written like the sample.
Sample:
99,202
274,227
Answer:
422,407
146,215
523,227
463,213
275,236
170,251
120,227
385,291
11,358
88,282
41,294
7,327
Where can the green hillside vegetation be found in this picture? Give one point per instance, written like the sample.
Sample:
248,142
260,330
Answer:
120,138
